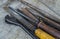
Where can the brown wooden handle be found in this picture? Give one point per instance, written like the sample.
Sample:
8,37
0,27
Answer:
50,30
28,13
52,23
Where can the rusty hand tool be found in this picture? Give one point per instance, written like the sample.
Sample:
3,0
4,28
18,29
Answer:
50,16
49,29
38,32
48,21
13,21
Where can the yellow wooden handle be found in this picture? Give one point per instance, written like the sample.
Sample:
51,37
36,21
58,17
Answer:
43,35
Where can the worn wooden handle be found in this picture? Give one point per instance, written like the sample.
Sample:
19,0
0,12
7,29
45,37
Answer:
50,30
28,13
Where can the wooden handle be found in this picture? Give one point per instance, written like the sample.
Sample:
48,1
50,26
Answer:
52,23
43,35
50,30
28,13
